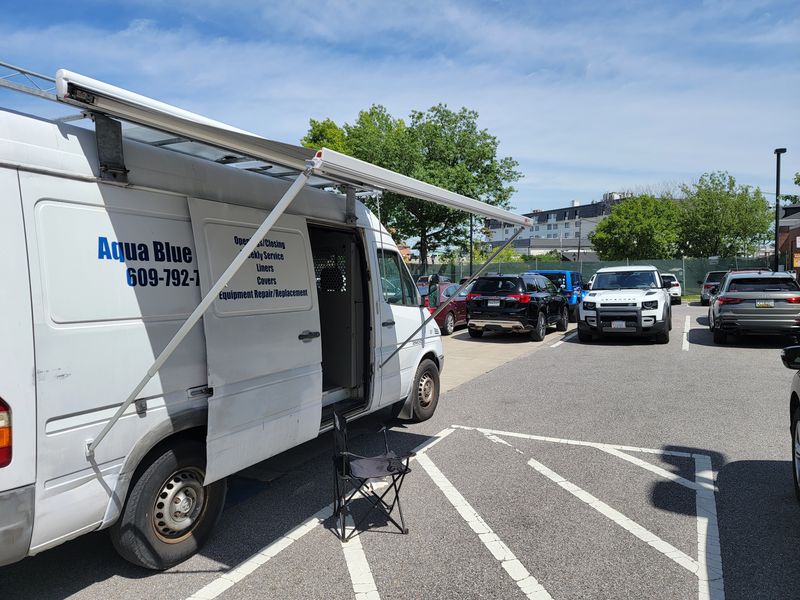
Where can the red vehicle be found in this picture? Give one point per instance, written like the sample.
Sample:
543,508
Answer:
456,312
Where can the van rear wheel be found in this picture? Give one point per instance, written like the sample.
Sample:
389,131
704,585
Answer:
169,513
425,391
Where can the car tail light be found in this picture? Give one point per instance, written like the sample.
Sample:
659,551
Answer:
473,296
708,286
5,434
675,284
793,300
521,298
726,300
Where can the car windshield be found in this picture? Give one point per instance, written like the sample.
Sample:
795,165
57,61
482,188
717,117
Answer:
489,285
625,280
763,284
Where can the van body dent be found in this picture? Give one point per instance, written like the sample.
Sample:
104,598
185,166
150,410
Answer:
96,279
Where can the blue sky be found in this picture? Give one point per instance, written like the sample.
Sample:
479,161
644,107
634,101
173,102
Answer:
589,97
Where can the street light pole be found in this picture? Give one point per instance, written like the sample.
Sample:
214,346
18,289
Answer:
778,152
471,247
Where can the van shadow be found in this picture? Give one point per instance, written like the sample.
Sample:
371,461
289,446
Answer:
759,524
264,502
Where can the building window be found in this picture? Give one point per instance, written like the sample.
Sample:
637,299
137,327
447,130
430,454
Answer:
566,225
577,234
536,228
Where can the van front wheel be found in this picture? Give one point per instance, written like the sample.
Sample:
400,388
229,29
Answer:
425,391
169,513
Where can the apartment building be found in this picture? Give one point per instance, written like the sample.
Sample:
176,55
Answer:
566,229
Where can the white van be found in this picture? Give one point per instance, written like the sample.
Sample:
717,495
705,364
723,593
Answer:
102,263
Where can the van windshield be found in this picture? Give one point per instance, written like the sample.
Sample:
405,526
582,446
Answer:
491,285
625,280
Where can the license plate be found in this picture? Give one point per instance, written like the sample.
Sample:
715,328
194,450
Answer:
618,324
493,303
765,303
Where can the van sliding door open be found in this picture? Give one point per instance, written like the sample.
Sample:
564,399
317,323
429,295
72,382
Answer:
262,337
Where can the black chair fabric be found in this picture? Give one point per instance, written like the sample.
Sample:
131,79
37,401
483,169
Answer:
352,474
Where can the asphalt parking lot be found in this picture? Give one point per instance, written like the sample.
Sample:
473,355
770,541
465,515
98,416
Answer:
619,469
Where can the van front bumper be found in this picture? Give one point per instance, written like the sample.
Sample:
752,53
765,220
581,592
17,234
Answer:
16,524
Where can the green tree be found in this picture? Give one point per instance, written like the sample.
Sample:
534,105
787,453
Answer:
439,146
720,218
637,228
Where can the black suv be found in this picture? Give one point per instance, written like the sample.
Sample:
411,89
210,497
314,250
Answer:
526,303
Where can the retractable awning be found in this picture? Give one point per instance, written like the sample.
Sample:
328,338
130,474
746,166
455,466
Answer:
181,126
98,96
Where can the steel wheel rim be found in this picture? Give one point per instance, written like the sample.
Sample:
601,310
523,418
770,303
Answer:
179,505
425,390
449,323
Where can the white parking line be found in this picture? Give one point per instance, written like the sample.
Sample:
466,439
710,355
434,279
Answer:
650,538
526,582
686,327
249,565
360,573
709,555
566,338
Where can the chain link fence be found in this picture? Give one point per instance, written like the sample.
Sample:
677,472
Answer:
689,271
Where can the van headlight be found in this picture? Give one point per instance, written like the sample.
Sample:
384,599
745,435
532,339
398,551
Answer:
650,305
589,305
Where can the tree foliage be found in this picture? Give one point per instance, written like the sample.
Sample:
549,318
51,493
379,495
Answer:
439,146
720,218
638,228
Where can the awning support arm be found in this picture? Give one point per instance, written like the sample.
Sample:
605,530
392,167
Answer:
205,303
456,293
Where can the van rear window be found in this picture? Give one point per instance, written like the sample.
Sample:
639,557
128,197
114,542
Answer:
488,285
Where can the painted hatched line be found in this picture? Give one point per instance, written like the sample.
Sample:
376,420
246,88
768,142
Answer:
708,570
526,582
360,574
249,565
647,536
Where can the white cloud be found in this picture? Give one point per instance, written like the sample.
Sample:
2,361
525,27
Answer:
598,102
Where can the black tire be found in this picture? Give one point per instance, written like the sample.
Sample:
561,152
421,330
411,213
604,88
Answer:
425,390
475,333
663,337
175,477
720,337
538,332
670,320
584,337
449,324
703,302
563,321
680,300
573,313
795,450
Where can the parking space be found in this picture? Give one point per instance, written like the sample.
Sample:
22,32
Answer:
616,469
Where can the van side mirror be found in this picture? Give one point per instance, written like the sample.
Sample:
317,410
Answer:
665,284
791,357
588,286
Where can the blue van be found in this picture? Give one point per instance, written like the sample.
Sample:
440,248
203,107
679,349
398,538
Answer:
570,283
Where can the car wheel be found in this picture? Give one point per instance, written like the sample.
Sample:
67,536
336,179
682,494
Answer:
669,327
538,332
573,314
563,321
425,391
449,324
720,337
663,337
169,513
796,453
584,337
703,302
475,333
680,300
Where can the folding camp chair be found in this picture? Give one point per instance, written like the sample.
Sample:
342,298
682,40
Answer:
351,475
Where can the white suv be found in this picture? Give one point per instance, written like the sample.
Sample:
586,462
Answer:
626,300
675,289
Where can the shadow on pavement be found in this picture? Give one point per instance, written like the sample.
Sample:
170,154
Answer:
264,502
499,337
703,337
758,518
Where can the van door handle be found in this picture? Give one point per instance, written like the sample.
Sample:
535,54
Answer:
307,336
388,323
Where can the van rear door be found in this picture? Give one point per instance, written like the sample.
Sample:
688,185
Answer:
262,337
